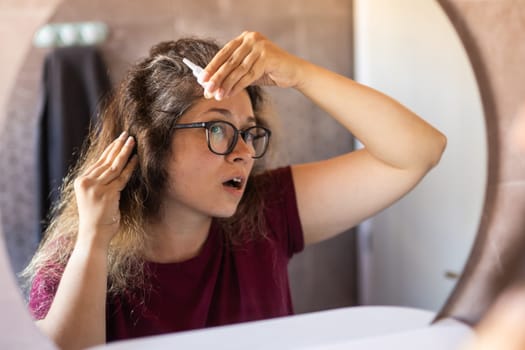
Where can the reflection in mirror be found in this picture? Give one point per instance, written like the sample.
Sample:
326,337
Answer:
130,38
312,287
413,252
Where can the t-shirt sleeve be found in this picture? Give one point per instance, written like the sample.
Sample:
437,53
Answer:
281,210
42,293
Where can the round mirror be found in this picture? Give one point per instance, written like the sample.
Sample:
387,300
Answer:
411,253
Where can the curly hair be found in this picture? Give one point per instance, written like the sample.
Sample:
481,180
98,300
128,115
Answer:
154,94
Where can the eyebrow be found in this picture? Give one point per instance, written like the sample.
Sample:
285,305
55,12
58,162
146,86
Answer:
228,114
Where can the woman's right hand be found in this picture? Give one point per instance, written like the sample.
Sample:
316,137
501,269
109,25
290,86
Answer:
98,189
249,59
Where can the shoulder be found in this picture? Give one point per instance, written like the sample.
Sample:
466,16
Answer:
43,289
271,181
280,208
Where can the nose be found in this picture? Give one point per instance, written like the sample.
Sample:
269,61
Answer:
242,152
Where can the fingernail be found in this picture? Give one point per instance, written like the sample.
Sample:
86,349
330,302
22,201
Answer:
130,140
207,94
123,135
203,77
219,94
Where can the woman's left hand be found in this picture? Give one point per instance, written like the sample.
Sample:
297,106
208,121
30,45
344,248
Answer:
250,59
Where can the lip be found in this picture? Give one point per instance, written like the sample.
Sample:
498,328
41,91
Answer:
236,191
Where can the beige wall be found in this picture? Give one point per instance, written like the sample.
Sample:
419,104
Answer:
18,21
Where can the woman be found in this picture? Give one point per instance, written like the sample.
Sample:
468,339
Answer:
502,326
187,233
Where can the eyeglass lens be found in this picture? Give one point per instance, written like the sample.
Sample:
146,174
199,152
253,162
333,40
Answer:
222,138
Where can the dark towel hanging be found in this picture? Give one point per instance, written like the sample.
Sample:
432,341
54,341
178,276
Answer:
75,79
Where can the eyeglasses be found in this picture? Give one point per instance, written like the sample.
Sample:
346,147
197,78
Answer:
222,136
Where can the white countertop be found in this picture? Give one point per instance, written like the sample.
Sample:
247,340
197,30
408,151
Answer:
364,327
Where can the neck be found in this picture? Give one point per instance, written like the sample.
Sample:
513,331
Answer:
175,238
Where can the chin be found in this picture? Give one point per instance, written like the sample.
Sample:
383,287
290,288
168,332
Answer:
224,214
223,207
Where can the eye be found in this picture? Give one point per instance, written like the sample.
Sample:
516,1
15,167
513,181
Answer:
249,136
217,130
220,133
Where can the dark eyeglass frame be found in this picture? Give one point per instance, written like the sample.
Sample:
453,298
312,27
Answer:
244,133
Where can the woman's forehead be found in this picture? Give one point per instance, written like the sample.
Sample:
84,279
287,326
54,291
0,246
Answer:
237,108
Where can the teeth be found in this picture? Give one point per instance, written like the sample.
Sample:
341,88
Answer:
235,182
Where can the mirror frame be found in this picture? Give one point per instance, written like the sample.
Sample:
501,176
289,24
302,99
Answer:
488,270
453,306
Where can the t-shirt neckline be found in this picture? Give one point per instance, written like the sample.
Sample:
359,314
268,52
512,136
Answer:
209,243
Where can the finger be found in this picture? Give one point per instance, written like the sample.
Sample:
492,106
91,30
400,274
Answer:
122,137
118,162
213,80
102,162
235,66
126,173
251,72
106,160
244,66
115,150
222,55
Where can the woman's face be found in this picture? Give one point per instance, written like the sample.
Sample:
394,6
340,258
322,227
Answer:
200,181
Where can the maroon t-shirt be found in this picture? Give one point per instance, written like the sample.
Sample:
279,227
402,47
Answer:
224,284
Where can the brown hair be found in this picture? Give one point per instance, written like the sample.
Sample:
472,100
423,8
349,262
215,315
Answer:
152,97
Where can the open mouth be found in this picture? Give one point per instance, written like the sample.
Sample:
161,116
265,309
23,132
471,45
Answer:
236,183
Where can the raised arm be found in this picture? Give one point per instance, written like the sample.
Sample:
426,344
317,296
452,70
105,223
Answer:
399,149
77,316
336,194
